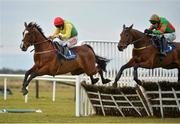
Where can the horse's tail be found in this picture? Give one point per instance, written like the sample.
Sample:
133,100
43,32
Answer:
101,61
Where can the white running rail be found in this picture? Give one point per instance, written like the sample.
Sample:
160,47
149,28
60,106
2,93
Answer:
65,78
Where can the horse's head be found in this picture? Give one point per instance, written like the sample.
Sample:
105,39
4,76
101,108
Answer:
28,36
126,38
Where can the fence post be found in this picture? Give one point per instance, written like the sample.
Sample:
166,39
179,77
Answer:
78,90
26,97
5,88
54,91
37,88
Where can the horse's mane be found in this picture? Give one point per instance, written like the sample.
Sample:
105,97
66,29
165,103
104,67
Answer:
137,31
37,27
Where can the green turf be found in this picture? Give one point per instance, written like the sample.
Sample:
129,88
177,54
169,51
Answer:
62,110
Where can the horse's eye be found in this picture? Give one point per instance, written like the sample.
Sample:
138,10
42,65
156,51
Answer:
127,35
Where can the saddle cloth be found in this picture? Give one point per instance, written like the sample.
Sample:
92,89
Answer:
170,47
64,52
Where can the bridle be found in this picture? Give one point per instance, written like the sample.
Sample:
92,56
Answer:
35,44
137,40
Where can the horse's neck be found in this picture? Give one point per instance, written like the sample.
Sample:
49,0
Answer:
141,40
42,44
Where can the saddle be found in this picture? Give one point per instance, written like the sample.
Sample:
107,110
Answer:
64,52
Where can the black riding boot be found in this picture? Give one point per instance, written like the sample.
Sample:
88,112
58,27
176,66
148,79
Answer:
57,47
66,50
163,46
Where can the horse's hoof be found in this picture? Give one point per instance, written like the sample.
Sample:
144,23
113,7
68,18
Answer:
106,81
24,91
95,80
115,85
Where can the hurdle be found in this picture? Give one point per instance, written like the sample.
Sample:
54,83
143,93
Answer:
160,99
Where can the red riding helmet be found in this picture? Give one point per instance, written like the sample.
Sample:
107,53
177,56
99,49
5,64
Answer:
58,21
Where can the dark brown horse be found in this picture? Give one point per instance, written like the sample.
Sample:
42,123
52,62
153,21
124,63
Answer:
144,54
47,62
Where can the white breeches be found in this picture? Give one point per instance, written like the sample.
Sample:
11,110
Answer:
70,42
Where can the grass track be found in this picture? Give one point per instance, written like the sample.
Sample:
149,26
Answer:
62,110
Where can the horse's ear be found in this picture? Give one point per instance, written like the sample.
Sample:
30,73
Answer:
131,26
25,24
124,26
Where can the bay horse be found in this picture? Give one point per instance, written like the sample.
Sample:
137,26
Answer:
145,54
47,62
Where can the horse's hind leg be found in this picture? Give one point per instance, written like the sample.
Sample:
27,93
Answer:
94,80
136,76
104,81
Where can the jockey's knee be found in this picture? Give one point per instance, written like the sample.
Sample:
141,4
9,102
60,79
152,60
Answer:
170,37
72,42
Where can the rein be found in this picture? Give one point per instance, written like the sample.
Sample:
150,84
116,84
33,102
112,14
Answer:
140,48
43,52
48,51
41,42
135,41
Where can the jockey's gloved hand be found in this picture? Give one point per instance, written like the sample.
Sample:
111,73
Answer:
150,32
60,37
147,31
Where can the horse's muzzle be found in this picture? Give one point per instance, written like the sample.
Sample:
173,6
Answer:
120,48
23,48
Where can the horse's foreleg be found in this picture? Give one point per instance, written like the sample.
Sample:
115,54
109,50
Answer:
127,65
118,76
25,84
34,73
27,75
136,75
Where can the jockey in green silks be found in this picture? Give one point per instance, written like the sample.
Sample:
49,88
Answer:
162,28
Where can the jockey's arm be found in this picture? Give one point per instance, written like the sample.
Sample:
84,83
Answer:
67,33
161,30
151,27
55,34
